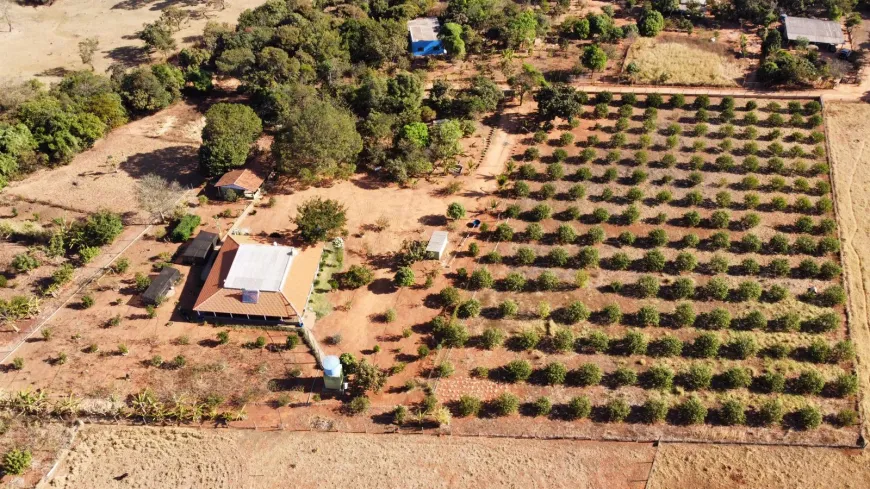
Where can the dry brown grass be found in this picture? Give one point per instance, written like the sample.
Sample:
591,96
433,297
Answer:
681,61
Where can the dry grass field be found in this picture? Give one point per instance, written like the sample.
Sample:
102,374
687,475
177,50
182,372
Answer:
684,61
54,33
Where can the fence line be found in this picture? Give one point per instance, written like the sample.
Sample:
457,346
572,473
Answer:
312,343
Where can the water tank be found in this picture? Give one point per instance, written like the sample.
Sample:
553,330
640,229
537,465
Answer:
332,378
331,366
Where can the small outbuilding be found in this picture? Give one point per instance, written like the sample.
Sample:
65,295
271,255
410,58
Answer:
824,33
199,248
424,36
241,183
437,244
162,286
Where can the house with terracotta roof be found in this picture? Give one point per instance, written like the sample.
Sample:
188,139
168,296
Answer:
252,281
243,183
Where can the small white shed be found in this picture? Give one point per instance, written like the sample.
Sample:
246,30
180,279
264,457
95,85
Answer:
437,244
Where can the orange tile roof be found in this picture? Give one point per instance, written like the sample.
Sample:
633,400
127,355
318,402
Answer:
289,302
245,179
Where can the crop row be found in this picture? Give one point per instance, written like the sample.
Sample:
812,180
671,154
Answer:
556,171
654,261
697,377
708,344
678,101
634,195
778,244
690,411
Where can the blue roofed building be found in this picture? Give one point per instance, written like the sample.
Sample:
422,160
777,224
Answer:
424,36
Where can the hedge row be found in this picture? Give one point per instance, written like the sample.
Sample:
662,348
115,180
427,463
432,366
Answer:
634,195
654,261
452,333
556,172
690,411
696,377
648,287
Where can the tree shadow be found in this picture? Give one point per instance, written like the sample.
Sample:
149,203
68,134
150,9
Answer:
129,56
130,4
60,71
178,161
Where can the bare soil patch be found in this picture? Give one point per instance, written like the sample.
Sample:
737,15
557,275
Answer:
759,467
207,458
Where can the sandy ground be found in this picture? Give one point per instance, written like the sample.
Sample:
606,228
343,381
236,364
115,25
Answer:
44,40
758,467
207,458
847,141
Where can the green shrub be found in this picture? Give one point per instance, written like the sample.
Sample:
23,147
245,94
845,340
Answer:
184,228
481,279
617,410
706,345
845,384
808,417
658,377
647,286
809,382
846,417
555,373
505,404
16,461
597,341
697,377
579,407
356,276
634,343
732,412
691,411
771,411
574,312
468,406
527,339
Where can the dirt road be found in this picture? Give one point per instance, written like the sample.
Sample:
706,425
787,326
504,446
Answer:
180,457
847,130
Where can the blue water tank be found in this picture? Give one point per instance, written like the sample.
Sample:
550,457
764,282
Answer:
331,366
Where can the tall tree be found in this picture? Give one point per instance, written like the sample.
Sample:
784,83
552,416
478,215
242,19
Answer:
594,58
229,131
318,141
320,220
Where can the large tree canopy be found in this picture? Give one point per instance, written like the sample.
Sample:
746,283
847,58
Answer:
318,141
320,220
229,131
559,100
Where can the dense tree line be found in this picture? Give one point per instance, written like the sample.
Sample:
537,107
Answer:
336,89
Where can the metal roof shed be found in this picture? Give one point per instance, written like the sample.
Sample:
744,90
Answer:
814,30
437,244
198,250
161,285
